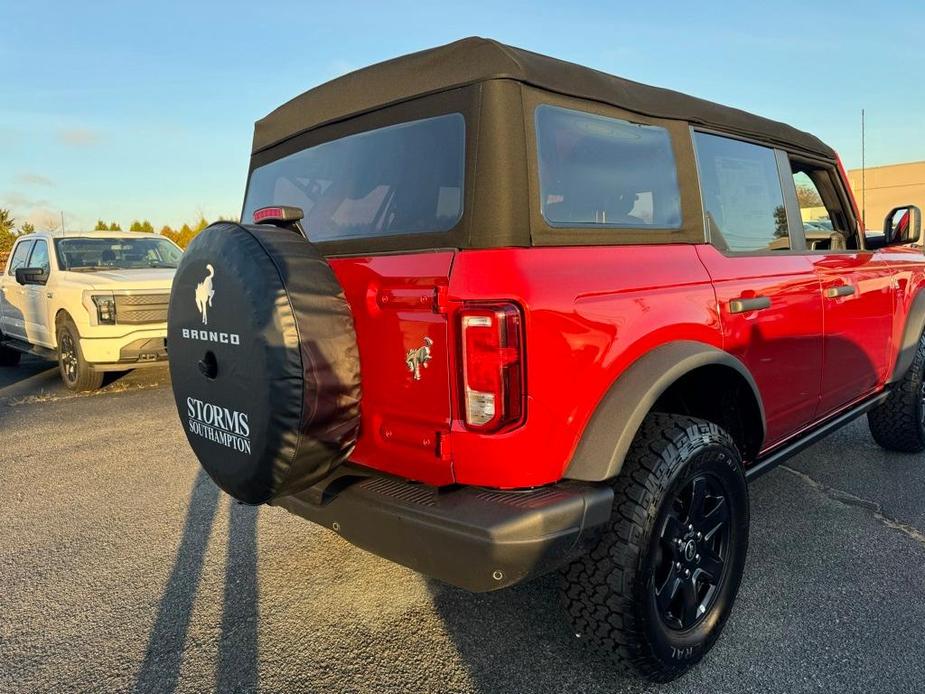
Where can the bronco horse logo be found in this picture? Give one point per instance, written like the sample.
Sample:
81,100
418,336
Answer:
204,294
419,357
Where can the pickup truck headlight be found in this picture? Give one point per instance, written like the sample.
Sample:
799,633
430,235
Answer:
105,308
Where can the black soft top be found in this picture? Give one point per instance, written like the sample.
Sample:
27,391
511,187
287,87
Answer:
472,60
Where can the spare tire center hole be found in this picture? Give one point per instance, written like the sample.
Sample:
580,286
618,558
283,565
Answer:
208,365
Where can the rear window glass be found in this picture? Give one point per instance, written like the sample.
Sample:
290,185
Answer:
402,179
597,171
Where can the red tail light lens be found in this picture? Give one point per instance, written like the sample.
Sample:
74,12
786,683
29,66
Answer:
493,361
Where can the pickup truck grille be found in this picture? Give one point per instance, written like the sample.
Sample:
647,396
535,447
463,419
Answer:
141,308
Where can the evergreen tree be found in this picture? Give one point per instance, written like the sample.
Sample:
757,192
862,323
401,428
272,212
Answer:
114,226
7,235
7,223
100,226
26,228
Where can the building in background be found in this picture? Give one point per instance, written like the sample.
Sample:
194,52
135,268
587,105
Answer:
886,187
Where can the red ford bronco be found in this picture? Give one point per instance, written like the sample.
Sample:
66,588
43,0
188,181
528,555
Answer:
491,315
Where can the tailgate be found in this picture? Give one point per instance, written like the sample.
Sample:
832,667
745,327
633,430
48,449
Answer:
406,406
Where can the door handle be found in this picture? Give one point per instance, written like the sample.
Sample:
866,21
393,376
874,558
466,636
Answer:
841,290
757,303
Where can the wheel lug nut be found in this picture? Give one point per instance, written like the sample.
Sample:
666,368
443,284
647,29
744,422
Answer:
699,536
687,572
690,527
697,558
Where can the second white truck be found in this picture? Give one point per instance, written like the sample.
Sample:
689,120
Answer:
93,301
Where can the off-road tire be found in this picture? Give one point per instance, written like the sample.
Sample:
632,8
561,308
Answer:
75,370
898,424
610,593
8,356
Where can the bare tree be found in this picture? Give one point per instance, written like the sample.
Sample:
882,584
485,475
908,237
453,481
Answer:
808,196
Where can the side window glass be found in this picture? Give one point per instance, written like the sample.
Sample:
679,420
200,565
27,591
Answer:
20,256
39,257
597,171
742,198
824,223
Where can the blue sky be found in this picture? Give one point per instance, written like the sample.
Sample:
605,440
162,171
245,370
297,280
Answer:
127,110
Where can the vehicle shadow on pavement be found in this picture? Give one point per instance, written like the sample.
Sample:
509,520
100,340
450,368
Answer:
237,657
520,635
31,375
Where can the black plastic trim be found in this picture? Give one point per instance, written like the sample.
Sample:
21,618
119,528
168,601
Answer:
474,538
912,333
608,436
26,348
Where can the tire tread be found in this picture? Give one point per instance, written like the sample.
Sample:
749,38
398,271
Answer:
600,593
896,423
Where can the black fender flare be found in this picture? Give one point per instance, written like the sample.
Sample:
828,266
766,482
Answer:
613,426
912,333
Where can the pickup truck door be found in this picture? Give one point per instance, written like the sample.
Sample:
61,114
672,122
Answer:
768,294
35,299
857,287
12,305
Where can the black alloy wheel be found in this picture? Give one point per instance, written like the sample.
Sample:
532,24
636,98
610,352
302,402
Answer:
77,374
657,589
694,544
69,359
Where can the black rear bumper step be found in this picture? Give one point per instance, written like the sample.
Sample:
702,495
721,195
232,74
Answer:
473,538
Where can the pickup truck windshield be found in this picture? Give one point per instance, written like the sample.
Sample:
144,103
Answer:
402,179
92,254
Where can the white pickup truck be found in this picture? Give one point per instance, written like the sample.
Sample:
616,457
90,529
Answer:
94,301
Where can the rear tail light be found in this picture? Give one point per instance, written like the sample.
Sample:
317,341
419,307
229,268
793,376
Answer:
493,366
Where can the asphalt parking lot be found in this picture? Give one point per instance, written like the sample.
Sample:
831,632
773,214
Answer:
123,568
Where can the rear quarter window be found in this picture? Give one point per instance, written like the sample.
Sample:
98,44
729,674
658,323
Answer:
401,179
605,172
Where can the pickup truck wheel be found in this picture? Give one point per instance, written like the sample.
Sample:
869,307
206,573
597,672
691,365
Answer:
899,423
75,371
659,586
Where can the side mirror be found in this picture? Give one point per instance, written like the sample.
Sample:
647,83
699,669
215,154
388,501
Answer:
31,275
903,225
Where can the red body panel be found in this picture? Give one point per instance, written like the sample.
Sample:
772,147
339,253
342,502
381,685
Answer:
858,328
590,312
781,345
404,420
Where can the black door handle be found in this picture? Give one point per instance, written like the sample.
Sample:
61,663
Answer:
757,303
841,290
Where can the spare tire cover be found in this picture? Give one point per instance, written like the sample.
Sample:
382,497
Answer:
263,360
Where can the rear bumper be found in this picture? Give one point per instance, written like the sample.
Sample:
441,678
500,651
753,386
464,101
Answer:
477,539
